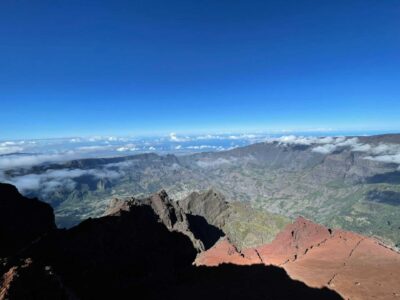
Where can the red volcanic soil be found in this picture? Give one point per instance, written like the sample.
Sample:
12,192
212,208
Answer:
355,266
224,252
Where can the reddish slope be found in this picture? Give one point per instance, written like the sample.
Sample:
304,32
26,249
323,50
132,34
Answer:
355,266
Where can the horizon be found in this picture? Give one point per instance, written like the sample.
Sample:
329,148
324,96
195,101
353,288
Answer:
27,153
134,68
318,132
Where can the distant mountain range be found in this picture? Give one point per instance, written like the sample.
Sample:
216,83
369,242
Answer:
345,182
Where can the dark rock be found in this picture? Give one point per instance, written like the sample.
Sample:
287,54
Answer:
22,220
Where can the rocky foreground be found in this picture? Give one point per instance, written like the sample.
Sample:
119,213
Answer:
142,249
157,248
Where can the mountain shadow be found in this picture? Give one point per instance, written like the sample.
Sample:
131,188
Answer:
229,281
204,231
389,177
387,197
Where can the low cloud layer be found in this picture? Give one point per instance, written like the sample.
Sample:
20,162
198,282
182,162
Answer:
382,152
52,179
24,154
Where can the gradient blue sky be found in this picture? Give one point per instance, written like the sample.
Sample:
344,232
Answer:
73,68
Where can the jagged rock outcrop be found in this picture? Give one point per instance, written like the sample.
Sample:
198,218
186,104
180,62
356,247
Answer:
210,204
224,252
243,225
22,220
357,267
206,216
202,234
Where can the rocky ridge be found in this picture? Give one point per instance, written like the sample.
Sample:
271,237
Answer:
133,252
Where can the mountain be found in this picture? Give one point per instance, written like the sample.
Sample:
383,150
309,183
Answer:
351,183
134,251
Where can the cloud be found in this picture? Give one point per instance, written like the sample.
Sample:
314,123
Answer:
201,147
11,147
75,140
395,158
305,140
21,161
229,137
27,182
325,149
340,142
54,179
388,153
208,147
127,147
94,148
174,138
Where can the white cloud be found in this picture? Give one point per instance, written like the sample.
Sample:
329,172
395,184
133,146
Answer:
20,161
9,147
362,148
325,149
229,137
75,140
395,158
53,179
201,147
27,182
174,138
94,148
127,147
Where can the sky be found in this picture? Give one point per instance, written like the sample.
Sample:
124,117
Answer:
80,68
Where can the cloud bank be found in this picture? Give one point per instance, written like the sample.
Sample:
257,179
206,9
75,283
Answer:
382,152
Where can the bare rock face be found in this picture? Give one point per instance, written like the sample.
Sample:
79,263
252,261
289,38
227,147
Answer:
355,266
224,252
202,234
210,204
22,220
243,225
293,242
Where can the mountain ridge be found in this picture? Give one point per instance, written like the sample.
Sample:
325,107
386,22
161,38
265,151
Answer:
132,253
352,186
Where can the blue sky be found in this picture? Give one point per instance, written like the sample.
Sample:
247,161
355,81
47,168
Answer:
76,68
